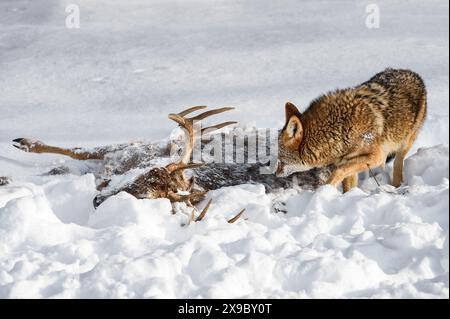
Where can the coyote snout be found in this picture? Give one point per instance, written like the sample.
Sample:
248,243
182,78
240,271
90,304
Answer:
284,169
355,129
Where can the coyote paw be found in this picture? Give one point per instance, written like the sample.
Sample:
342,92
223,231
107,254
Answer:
26,145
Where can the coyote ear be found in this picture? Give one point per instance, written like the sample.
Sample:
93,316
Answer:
294,128
293,133
291,110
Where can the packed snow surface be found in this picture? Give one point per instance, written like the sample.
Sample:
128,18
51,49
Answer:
132,62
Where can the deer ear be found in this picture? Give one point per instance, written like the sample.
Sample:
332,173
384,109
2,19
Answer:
291,110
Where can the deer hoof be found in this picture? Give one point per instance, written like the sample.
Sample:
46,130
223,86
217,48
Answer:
25,144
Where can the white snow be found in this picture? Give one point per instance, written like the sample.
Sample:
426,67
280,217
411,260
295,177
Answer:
132,62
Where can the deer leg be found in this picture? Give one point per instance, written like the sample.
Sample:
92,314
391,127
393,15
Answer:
4,180
33,146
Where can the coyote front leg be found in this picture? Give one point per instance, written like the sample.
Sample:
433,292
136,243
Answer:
350,182
356,165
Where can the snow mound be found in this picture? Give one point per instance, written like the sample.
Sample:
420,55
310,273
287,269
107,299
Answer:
366,243
124,209
428,166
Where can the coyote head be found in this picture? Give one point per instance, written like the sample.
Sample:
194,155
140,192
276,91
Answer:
289,141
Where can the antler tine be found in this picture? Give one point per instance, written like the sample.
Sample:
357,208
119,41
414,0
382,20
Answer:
177,118
183,121
192,216
235,218
192,197
204,211
192,109
211,112
175,167
213,128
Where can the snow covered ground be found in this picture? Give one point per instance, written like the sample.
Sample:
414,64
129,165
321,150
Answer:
132,62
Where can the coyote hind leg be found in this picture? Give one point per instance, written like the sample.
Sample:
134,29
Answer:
397,179
34,146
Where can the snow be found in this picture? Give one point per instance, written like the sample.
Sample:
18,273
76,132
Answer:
132,62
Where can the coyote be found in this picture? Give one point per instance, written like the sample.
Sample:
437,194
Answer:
355,129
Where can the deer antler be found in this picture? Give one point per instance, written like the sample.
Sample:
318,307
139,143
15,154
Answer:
188,125
204,211
176,169
235,218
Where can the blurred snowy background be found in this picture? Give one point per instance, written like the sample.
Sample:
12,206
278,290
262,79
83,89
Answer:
132,62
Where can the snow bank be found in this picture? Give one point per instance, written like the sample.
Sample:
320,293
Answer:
366,243
428,166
